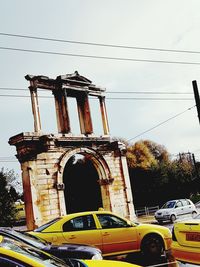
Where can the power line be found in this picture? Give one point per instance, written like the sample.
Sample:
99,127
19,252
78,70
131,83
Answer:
23,96
146,92
99,57
100,44
12,89
110,92
146,98
110,98
162,123
8,159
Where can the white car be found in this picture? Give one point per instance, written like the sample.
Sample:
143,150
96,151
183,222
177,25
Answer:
172,209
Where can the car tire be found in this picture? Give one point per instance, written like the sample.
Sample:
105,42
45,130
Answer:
152,246
194,213
172,218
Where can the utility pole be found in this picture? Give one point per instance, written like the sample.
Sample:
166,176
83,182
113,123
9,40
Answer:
196,96
195,165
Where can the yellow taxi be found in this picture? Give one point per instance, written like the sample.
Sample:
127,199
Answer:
19,254
186,240
112,234
14,253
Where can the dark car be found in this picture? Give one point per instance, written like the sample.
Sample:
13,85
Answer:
64,251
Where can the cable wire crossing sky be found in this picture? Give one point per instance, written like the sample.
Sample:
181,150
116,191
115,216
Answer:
145,53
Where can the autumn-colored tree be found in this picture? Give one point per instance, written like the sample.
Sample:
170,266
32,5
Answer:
155,178
140,156
158,151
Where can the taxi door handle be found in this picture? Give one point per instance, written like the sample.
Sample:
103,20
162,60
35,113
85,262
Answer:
106,233
72,237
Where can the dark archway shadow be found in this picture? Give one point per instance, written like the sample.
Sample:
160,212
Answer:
82,190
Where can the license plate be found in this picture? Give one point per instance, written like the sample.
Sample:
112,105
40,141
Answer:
193,237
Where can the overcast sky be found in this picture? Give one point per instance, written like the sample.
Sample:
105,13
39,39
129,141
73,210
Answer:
157,24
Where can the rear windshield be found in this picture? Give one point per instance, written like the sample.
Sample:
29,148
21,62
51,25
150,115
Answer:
44,226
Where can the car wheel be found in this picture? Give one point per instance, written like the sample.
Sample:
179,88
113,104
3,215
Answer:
194,213
172,218
152,246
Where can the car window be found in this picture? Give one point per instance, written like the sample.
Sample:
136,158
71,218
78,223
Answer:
186,202
80,223
44,226
110,221
179,204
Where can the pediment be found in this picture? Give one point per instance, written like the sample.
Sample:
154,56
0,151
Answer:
74,77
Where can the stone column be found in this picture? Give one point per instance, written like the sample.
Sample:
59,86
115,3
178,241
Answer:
63,121
104,115
35,107
85,119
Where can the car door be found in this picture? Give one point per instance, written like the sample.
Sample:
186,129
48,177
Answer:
82,230
187,206
118,235
179,209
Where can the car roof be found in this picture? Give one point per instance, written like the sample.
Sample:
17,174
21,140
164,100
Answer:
178,199
88,213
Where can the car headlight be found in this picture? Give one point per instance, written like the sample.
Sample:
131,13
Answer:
97,256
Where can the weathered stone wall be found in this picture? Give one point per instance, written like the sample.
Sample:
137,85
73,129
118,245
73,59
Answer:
43,166
42,173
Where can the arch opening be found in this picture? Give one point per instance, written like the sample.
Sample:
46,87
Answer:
82,189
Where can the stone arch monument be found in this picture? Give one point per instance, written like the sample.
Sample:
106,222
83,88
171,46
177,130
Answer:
44,157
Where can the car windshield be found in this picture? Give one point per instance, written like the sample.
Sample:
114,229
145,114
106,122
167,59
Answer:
169,205
29,251
33,240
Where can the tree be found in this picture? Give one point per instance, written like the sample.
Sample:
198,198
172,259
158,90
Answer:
155,178
7,202
158,151
175,179
140,156
13,180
